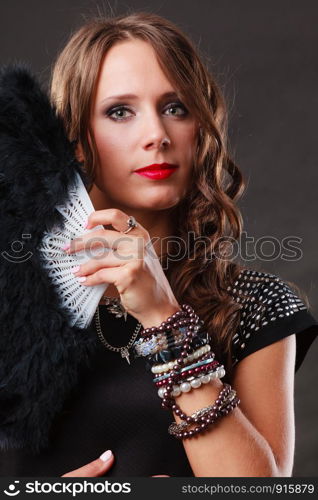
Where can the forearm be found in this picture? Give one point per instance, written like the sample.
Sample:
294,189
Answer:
231,447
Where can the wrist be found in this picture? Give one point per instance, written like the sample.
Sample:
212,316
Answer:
155,318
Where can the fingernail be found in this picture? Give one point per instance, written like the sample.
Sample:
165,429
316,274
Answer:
75,269
87,225
66,247
107,455
83,278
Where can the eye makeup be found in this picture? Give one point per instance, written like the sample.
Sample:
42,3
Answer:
124,107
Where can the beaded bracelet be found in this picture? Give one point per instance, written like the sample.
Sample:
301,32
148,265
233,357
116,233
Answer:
168,402
187,432
212,366
207,358
183,318
220,408
168,366
225,391
187,317
198,415
185,372
194,382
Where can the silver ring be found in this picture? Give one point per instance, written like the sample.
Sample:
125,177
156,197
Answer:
131,223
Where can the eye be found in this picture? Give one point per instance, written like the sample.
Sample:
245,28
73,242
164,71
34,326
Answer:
176,105
119,109
118,113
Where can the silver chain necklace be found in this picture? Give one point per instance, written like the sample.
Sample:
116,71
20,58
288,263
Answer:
115,308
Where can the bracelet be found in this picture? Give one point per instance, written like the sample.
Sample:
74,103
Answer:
168,366
184,317
166,356
157,343
185,432
168,402
175,428
222,406
200,371
202,412
173,331
193,382
188,367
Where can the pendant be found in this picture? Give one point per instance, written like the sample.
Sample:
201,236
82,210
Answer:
125,354
114,306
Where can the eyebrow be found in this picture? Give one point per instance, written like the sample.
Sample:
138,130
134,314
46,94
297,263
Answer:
134,96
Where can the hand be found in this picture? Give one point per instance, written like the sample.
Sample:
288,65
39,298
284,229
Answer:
94,469
130,263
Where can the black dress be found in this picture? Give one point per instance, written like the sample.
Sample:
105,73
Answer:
115,405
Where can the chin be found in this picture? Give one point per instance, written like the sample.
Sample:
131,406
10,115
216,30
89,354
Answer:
161,202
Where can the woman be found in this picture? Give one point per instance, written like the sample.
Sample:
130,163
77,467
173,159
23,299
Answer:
133,93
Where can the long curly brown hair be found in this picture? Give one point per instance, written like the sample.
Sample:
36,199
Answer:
209,210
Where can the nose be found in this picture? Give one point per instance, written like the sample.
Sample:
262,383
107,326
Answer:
155,134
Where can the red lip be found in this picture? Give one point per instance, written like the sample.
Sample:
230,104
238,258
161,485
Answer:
157,171
157,174
155,167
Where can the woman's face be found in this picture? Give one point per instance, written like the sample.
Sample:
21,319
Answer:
136,131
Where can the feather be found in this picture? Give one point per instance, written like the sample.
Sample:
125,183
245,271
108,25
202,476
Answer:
42,349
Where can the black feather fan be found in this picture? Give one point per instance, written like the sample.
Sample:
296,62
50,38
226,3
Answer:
40,354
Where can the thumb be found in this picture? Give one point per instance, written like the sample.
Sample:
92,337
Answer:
94,469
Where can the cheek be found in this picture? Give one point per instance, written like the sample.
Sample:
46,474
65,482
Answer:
112,150
106,143
188,140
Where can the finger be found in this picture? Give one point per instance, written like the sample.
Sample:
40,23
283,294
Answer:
104,238
94,469
110,275
121,276
112,259
117,218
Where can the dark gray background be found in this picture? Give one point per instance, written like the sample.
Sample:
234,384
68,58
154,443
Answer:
264,55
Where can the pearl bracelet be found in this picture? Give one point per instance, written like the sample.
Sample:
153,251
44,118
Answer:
195,383
196,372
169,366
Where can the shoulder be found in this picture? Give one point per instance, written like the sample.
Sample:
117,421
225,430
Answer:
269,311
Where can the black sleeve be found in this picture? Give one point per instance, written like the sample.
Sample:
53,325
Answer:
270,311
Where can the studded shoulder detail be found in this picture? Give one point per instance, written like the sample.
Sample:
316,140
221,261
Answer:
264,299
